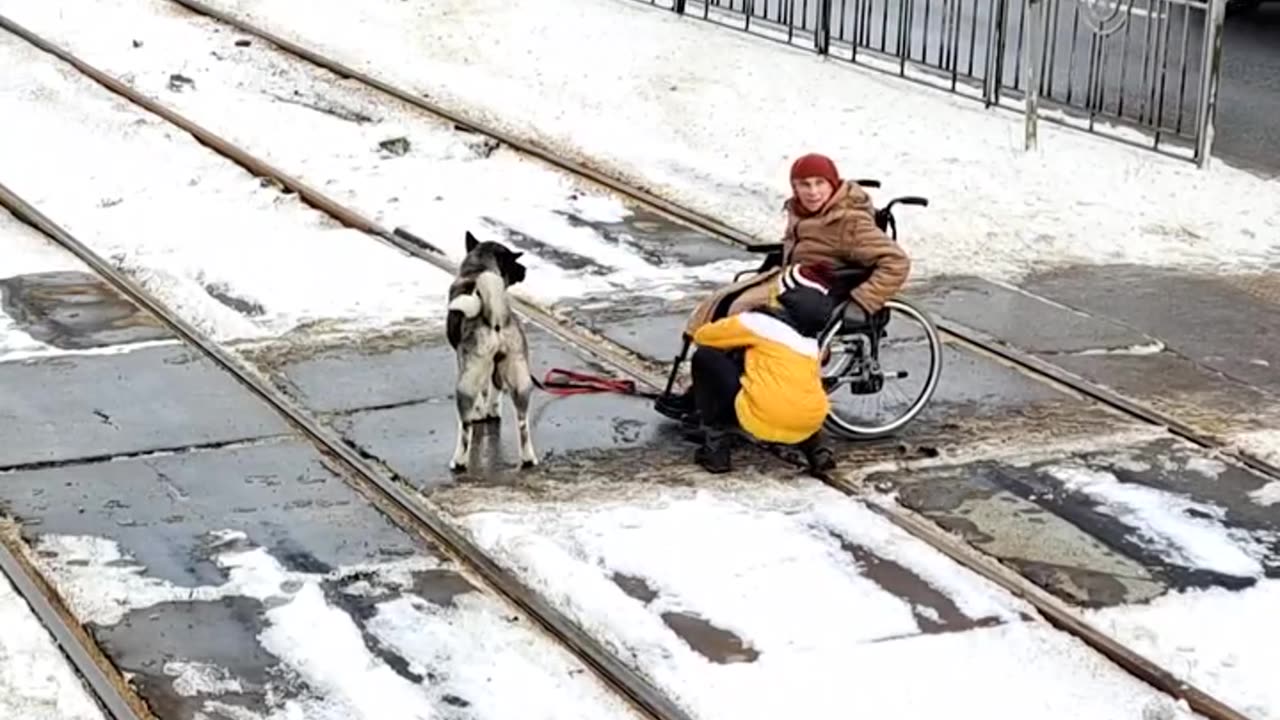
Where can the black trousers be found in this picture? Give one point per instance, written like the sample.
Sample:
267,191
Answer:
717,378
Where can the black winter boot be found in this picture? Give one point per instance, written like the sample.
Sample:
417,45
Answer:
714,454
819,456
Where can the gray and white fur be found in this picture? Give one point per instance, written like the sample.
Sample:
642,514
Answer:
492,351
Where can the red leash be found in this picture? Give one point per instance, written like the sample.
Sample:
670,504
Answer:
559,381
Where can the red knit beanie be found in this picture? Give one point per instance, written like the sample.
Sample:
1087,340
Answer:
815,165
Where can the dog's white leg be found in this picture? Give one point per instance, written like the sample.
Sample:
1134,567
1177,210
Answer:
528,456
462,451
515,374
472,377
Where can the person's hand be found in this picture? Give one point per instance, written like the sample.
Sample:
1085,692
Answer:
855,315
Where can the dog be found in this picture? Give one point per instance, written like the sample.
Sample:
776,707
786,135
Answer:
490,344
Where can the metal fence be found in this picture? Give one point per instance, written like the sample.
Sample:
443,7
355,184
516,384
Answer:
1105,65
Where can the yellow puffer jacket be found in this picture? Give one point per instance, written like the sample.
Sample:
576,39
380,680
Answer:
782,399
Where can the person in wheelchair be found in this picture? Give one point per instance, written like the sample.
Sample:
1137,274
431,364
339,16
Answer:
759,371
830,222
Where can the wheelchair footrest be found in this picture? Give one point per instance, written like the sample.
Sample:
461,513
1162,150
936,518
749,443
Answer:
675,407
869,386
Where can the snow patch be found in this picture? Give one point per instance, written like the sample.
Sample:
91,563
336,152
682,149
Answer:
476,633
1233,657
1262,444
472,649
337,664
1268,494
1206,466
1184,531
48,351
193,678
36,682
1154,347
769,565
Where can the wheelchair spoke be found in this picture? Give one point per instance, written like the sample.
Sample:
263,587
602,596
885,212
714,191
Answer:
876,387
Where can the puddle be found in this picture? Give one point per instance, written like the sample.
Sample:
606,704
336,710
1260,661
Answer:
222,293
564,259
715,644
658,240
75,311
221,634
934,611
635,587
1084,587
440,587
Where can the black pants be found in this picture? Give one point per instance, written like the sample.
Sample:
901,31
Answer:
717,378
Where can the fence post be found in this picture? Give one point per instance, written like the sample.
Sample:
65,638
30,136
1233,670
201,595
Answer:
677,6
1031,11
822,29
994,54
1210,70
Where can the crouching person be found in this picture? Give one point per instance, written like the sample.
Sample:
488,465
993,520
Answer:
760,371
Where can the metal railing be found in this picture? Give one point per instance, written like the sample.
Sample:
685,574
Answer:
1104,65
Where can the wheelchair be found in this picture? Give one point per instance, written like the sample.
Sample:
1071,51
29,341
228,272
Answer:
862,361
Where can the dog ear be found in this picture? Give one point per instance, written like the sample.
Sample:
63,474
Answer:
516,254
471,241
512,270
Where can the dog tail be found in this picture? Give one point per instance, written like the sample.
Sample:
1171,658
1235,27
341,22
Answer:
468,305
490,298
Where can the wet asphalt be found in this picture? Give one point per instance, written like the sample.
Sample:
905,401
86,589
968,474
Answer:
1248,121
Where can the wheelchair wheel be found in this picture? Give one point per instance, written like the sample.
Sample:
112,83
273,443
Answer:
878,385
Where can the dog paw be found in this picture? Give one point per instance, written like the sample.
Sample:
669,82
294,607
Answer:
455,467
528,464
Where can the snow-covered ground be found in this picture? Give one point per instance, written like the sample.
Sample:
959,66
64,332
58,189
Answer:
1225,642
842,614
466,650
328,132
712,119
185,222
36,682
1262,444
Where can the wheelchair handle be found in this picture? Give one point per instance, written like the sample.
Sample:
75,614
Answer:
908,200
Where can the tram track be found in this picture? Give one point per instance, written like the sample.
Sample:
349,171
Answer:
736,237
409,512
626,681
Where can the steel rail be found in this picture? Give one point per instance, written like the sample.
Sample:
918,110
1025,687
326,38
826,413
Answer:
105,683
